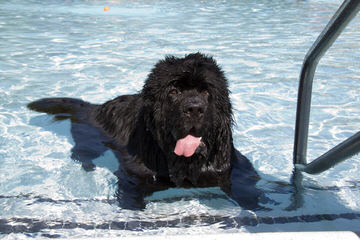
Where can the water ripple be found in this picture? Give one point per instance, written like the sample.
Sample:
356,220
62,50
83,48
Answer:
74,48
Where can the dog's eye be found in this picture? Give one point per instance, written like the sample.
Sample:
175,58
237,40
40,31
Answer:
173,92
205,92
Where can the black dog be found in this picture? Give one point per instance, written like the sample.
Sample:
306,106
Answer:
175,133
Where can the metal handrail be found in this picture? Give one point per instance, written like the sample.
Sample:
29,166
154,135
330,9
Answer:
349,147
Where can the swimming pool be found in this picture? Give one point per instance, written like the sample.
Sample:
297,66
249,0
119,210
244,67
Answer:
75,48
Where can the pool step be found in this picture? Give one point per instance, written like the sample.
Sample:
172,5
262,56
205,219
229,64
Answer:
328,235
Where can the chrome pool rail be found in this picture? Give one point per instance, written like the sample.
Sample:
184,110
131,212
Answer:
346,12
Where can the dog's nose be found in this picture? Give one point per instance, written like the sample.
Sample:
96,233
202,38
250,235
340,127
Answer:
194,109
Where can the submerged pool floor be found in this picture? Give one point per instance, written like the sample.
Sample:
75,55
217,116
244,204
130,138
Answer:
76,49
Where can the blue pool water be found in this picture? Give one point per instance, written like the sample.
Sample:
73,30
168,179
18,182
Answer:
76,49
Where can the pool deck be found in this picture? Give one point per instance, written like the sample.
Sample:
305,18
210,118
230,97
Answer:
328,235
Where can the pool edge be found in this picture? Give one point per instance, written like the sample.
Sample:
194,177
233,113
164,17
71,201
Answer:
315,235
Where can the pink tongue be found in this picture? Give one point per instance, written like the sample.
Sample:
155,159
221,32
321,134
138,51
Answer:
187,146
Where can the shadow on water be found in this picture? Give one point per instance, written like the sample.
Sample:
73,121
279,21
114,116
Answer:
295,190
285,202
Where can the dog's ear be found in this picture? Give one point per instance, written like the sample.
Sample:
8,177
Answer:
220,134
223,148
143,145
148,117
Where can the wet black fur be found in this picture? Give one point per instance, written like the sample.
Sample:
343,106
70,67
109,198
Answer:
181,96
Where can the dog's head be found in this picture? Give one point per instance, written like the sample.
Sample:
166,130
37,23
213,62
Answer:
187,106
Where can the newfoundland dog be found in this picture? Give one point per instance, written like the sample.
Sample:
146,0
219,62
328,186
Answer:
176,132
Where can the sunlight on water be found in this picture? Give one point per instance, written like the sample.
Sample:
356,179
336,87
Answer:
76,49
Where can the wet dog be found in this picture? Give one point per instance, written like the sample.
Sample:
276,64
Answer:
176,132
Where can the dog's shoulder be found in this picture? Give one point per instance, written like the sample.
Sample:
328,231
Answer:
118,116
